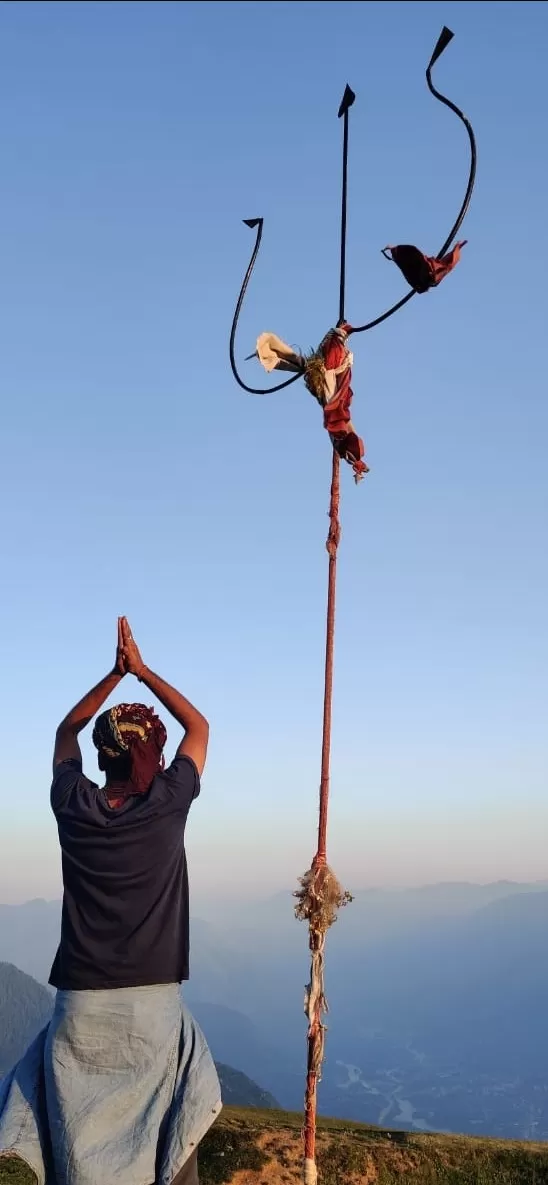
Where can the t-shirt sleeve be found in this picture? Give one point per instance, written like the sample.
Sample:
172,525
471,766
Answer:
66,777
179,784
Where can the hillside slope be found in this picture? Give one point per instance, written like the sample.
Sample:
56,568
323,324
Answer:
25,1007
240,1091
264,1148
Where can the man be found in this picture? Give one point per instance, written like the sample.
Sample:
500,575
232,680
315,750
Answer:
126,1081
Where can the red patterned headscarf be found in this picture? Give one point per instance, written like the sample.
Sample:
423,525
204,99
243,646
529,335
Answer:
134,731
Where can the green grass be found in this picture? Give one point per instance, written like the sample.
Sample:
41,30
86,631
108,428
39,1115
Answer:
15,1172
348,1151
398,1158
224,1152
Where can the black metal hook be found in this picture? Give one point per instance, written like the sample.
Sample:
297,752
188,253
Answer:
252,223
443,41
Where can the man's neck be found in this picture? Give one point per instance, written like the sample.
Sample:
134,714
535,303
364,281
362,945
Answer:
115,792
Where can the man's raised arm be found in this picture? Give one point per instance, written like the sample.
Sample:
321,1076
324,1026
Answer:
195,741
66,737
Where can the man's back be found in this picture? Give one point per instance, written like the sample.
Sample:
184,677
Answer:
125,906
121,1086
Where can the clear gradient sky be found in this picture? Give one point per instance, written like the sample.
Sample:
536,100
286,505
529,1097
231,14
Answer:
137,478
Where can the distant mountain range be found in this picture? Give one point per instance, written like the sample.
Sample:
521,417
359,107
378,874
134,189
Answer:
437,1001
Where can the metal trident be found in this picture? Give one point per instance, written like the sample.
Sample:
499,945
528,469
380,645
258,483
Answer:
348,98
320,894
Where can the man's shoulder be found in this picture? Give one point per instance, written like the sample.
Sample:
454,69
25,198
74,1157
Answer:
69,780
179,783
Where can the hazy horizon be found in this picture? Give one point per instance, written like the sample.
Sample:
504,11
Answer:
235,894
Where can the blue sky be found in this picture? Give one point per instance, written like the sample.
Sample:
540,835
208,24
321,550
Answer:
137,478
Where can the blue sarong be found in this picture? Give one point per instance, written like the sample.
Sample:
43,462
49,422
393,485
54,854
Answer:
119,1088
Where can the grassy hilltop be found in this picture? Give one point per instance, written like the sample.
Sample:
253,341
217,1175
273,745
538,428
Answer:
251,1147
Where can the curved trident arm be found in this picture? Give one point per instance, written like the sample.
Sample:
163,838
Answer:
443,41
252,223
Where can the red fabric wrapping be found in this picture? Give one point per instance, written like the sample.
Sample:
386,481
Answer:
146,762
423,271
336,416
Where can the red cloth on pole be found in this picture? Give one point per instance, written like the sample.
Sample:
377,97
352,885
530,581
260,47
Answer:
423,271
336,416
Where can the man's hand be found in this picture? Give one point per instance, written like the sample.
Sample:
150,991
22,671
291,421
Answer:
195,741
120,663
131,656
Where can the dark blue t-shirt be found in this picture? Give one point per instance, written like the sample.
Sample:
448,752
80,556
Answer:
125,900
